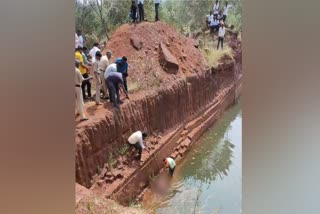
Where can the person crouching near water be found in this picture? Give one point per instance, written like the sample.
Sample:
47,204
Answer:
136,140
171,164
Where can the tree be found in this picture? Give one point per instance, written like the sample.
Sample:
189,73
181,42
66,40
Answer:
99,9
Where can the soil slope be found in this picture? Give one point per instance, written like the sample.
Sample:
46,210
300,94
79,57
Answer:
145,71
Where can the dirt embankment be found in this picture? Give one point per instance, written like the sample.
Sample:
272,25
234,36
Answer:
181,97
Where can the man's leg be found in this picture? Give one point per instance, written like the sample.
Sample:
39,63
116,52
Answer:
157,11
140,150
103,85
112,92
125,83
222,42
140,11
109,91
172,171
83,86
98,84
89,87
80,103
117,94
77,101
218,43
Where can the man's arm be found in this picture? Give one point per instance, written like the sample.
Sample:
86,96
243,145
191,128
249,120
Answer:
125,92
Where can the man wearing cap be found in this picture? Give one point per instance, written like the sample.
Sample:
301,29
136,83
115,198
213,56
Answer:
96,72
103,65
123,69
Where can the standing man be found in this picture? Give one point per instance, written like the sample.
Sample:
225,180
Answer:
81,40
133,11
115,82
157,4
93,51
79,99
141,10
103,65
221,34
84,71
171,164
96,73
136,140
226,9
123,69
216,9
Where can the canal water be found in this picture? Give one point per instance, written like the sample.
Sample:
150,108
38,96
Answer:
208,179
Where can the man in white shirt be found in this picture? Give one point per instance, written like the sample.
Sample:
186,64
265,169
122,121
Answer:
141,10
157,4
78,90
93,51
96,75
226,9
111,68
81,40
103,65
216,9
136,140
221,33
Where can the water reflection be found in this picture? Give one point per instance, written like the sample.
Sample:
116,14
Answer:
208,180
213,155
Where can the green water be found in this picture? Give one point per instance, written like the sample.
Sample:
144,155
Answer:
208,180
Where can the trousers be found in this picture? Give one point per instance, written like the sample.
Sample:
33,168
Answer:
113,92
141,12
79,102
103,85
85,84
98,86
220,40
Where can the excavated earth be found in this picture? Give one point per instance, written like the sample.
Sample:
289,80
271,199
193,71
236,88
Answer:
176,97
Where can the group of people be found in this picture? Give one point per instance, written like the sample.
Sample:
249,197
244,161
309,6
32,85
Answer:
136,11
109,78
136,141
216,20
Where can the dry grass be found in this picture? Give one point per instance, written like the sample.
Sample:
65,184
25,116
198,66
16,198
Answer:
213,56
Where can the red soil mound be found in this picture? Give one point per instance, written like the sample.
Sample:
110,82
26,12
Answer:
141,43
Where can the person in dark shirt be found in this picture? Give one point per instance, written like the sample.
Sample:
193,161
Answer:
123,68
133,11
